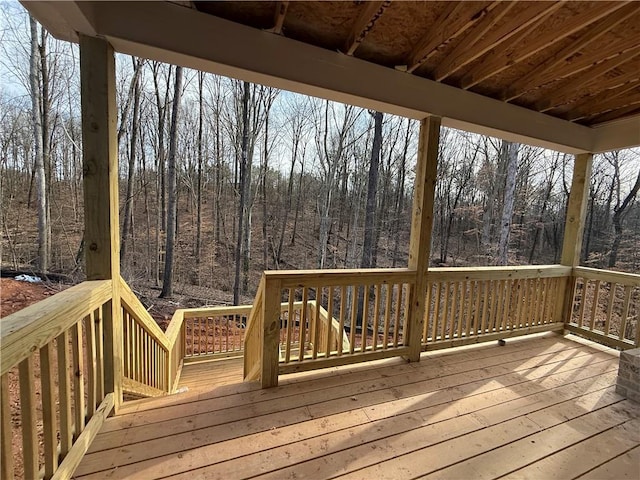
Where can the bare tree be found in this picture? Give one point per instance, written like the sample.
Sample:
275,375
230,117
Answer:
510,151
167,281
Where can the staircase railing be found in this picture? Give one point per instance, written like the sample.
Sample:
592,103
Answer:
62,337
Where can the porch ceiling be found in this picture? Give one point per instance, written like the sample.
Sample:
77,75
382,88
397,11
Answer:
564,75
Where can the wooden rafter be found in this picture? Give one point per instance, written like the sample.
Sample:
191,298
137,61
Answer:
582,63
576,82
508,55
363,25
628,111
449,29
574,96
626,99
588,106
469,49
534,77
279,16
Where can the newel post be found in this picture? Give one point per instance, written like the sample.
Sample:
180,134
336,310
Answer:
270,332
100,175
421,226
573,230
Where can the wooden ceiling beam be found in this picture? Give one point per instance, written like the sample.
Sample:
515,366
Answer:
480,39
624,101
534,77
575,83
577,97
279,16
630,113
586,108
363,25
502,58
448,29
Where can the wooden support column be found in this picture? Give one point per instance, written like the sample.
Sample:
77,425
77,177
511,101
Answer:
421,226
574,229
271,333
100,173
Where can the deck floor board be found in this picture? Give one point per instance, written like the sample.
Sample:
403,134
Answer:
521,410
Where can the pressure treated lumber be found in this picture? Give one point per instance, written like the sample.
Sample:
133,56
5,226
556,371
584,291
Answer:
421,228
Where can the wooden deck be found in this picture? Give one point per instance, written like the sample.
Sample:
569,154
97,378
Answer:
539,407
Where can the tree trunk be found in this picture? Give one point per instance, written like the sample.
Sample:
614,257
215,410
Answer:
39,171
372,192
126,224
243,190
618,220
167,281
511,151
199,180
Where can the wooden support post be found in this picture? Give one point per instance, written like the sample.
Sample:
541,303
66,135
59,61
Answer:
271,333
421,225
573,230
100,172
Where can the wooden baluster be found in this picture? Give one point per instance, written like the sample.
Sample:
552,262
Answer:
453,310
290,321
125,344
500,308
316,323
427,313
583,301
539,301
90,333
396,325
364,336
612,298
445,313
6,447
485,306
64,394
99,355
78,379
436,311
625,311
508,307
387,316
594,305
407,310
354,314
470,289
213,334
524,320
376,314
303,324
49,422
477,311
28,418
328,347
343,306
460,301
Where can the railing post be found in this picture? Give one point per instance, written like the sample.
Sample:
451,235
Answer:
270,332
573,230
100,174
421,225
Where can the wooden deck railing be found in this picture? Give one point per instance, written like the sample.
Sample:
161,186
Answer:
470,305
605,306
145,351
62,337
320,305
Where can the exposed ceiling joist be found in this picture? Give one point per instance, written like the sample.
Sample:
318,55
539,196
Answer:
621,101
447,30
573,84
600,104
368,17
279,16
608,131
527,81
508,55
605,85
468,49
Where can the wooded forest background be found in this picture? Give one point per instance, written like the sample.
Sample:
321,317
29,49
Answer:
254,178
